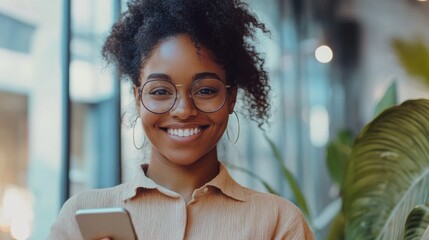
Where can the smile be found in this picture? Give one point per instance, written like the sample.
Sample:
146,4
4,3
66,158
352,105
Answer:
184,132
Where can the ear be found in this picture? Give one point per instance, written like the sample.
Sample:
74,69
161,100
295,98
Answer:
232,98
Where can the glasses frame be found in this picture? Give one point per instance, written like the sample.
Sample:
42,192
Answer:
227,86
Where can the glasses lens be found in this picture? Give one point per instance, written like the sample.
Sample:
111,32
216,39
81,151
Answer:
158,96
208,95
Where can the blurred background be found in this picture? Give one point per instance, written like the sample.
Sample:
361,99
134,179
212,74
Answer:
64,123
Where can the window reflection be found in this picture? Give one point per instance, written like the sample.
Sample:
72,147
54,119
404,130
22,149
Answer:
30,86
30,109
91,89
15,200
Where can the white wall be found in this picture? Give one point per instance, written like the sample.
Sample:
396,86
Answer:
382,21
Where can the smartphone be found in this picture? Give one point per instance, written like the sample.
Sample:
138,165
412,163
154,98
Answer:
98,223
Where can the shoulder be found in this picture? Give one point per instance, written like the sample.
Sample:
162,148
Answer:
65,226
261,200
289,221
96,198
276,201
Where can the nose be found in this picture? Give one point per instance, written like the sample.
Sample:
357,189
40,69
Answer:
183,107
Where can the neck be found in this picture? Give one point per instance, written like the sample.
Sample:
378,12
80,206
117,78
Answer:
183,179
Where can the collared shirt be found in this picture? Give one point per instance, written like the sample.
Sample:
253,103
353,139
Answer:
221,209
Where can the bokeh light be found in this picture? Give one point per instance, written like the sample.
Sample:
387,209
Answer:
324,54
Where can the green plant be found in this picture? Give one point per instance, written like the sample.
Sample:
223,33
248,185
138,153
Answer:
293,183
338,153
302,203
389,99
254,175
387,173
414,57
417,223
338,150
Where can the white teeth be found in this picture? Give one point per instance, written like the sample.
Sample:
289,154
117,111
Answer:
183,132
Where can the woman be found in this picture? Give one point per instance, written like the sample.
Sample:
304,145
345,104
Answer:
187,59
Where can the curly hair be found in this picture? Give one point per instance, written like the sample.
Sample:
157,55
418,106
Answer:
224,27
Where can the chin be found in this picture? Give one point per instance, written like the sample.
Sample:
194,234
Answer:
188,157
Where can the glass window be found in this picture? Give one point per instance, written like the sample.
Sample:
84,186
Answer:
30,120
92,93
31,108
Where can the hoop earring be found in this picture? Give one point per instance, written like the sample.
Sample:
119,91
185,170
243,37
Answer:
134,142
238,126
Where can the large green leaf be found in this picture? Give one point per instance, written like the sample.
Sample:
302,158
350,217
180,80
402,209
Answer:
388,172
417,222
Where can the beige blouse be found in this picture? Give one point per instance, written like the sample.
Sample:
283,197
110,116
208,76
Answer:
221,209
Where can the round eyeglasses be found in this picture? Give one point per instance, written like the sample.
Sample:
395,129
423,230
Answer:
208,95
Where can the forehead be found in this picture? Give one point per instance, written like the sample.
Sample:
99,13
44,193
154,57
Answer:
178,58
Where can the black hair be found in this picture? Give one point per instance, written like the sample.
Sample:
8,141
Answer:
224,27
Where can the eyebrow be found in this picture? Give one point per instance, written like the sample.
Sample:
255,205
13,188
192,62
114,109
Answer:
159,76
205,75
202,75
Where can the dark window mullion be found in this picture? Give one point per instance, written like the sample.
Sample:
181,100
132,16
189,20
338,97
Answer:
66,110
117,96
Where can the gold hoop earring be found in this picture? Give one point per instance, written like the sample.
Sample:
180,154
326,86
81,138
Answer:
238,127
134,142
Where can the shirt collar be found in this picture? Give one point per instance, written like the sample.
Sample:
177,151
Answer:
223,181
227,185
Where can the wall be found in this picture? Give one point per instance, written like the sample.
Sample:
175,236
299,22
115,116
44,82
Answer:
381,21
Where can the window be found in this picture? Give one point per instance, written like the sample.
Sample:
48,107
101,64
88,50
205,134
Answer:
31,108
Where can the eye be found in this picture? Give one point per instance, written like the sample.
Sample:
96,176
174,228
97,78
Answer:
160,91
206,91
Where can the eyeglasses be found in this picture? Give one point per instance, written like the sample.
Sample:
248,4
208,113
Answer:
208,95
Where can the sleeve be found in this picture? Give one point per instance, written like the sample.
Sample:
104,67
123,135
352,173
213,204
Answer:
291,224
65,227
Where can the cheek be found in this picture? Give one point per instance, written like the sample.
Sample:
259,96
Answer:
222,120
148,121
